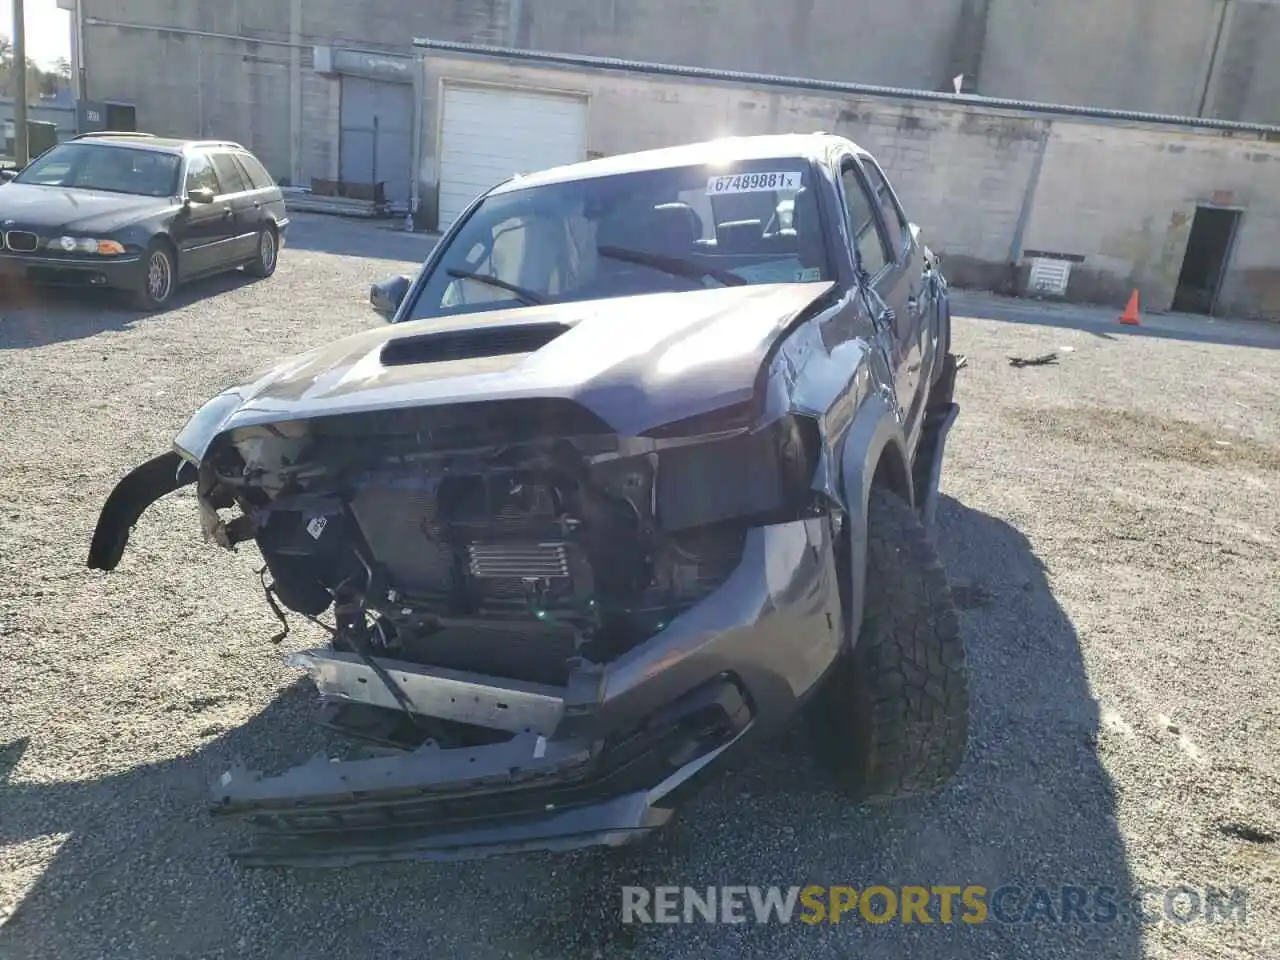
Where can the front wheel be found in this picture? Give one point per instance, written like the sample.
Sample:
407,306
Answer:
159,278
268,252
893,718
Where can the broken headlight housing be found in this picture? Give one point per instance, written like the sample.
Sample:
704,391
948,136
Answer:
764,474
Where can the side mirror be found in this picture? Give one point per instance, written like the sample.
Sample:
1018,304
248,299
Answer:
385,297
9,174
201,195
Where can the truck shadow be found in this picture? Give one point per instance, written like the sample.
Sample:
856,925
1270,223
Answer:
1032,807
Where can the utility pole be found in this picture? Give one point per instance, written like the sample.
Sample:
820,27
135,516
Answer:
20,156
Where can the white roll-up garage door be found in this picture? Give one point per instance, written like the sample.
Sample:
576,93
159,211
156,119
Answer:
488,134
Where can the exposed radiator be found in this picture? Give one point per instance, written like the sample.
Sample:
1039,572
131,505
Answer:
515,560
395,518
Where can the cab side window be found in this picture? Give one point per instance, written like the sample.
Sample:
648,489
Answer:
200,175
894,219
229,175
861,217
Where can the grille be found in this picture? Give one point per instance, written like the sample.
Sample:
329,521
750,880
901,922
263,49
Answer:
21,241
519,560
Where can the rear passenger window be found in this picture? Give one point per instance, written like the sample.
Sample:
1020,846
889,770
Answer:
862,223
200,175
894,219
258,175
229,174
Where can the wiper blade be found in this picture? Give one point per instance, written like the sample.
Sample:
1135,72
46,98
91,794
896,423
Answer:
525,296
674,265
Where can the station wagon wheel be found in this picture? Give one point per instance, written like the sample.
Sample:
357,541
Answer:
159,278
268,253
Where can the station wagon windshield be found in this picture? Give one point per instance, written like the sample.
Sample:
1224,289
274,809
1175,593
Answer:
96,166
653,231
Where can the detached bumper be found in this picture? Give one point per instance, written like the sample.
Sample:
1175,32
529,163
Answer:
120,273
601,761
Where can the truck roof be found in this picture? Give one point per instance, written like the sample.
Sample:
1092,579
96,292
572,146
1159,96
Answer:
791,146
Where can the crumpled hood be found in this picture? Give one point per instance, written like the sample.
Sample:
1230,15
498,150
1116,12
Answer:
56,208
636,362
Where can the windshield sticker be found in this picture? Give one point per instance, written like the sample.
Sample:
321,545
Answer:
808,274
754,182
776,272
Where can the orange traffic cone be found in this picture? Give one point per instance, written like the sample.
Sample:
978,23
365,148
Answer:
1130,316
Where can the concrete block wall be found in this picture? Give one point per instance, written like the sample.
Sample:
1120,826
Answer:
1125,198
984,184
320,127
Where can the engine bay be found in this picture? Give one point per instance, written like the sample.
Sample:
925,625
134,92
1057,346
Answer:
512,560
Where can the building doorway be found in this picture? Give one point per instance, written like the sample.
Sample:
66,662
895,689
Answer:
122,117
1213,232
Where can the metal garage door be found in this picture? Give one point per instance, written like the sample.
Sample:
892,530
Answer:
486,135
377,135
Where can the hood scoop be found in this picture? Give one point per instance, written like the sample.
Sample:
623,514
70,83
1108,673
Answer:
494,341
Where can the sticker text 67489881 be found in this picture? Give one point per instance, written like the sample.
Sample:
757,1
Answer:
754,182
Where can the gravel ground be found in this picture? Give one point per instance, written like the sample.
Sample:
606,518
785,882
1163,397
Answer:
1113,523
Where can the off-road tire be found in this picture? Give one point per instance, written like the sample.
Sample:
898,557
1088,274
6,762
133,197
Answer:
892,720
159,278
267,254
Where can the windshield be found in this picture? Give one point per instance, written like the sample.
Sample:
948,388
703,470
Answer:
685,228
102,166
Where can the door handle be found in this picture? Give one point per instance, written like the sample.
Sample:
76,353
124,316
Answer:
257,204
913,304
887,317
227,213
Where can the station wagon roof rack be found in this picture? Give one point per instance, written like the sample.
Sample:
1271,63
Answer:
230,144
112,133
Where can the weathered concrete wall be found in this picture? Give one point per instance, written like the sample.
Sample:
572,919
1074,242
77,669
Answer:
372,24
211,88
243,70
906,43
902,44
1246,82
1120,195
1146,55
1151,55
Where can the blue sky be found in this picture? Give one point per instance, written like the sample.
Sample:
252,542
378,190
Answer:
48,29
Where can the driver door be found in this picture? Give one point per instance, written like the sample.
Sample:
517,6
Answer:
912,291
887,285
203,230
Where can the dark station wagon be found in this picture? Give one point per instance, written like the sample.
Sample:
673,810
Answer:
140,214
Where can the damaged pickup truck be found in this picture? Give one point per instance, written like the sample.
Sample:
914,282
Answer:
642,468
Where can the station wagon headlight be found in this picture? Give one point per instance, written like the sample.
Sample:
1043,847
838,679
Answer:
105,248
